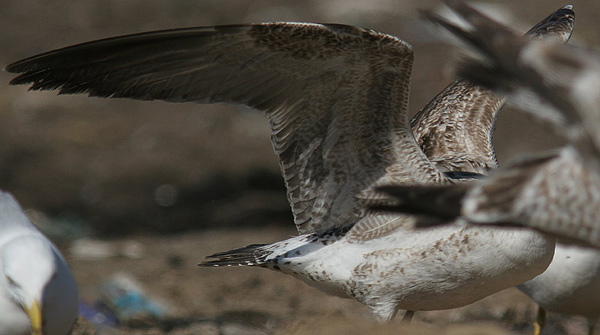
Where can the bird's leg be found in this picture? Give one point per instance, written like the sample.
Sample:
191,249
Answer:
540,321
407,317
591,326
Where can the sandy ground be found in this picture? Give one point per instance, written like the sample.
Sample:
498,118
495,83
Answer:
159,185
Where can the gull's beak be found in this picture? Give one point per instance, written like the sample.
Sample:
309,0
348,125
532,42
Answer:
35,317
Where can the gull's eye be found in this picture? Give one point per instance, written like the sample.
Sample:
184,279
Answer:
12,282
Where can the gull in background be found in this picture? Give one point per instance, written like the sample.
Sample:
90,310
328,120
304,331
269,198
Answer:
38,293
570,285
336,98
557,191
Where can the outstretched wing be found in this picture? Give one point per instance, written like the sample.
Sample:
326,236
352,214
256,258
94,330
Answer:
455,128
336,97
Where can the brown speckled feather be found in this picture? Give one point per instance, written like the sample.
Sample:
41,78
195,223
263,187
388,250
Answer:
518,66
555,83
455,128
336,97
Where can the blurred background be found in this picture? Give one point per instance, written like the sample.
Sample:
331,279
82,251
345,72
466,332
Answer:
170,183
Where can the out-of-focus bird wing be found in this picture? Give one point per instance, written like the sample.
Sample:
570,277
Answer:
455,128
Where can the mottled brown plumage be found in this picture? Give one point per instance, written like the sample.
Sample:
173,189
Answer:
455,128
336,97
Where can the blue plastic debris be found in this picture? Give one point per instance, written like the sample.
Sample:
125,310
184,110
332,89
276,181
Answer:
126,299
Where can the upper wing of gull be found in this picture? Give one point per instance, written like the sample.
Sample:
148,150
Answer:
336,97
455,128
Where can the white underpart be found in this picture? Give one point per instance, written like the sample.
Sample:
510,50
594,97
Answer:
571,284
32,270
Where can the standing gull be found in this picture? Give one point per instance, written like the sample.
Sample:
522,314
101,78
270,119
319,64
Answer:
336,98
570,285
38,294
557,192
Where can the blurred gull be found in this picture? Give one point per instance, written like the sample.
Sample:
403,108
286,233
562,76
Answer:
565,81
553,191
549,189
454,130
570,285
556,192
336,98
38,294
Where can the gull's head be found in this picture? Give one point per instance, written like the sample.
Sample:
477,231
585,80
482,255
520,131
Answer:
29,265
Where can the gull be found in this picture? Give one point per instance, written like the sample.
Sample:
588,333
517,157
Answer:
38,293
560,77
570,285
555,192
336,98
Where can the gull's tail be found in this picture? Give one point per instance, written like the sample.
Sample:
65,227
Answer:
252,255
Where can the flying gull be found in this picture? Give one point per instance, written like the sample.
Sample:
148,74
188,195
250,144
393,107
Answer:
336,98
559,76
